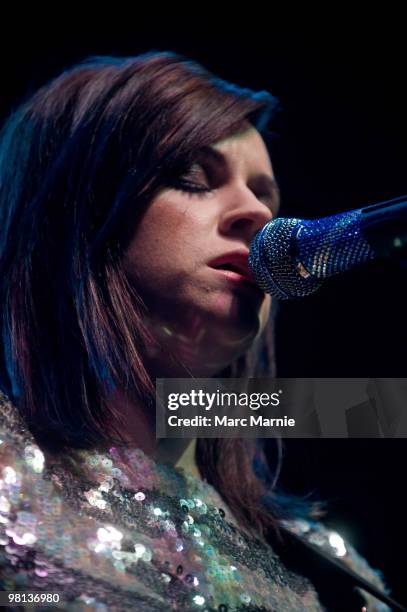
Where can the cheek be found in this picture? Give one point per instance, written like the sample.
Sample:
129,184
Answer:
166,247
169,227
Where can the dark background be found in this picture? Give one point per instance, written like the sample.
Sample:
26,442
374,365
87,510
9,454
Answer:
340,144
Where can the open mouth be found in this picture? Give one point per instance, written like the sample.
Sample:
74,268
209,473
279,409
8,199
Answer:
236,275
234,268
229,266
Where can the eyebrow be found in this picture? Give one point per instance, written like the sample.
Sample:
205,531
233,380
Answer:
260,179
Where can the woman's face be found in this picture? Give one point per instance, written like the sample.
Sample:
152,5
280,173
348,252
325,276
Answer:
204,315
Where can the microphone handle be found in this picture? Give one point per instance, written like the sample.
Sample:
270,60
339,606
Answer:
384,226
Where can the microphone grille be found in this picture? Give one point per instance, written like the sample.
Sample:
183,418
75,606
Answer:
273,264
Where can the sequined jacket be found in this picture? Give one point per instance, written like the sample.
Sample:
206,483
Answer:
116,531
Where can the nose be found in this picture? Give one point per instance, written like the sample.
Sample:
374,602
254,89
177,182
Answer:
245,216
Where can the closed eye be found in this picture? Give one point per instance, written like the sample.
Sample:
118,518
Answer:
193,180
200,178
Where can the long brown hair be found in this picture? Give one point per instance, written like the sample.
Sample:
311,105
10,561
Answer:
79,162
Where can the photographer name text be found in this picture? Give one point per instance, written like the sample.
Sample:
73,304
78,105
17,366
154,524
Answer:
253,420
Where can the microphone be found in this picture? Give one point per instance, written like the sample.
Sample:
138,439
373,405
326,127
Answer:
290,258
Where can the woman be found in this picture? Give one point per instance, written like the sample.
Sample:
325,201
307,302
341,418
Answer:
122,182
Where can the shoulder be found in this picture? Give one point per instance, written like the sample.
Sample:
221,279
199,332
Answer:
337,547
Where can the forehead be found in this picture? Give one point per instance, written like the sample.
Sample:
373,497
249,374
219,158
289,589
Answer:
245,151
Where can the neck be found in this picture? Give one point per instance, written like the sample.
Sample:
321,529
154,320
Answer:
187,460
137,429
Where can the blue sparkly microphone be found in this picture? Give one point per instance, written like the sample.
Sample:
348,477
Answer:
289,258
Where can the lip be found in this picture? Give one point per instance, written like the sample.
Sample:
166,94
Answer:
239,280
241,273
